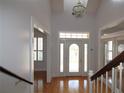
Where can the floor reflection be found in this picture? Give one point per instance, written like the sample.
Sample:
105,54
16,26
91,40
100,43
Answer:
65,85
38,86
70,85
61,86
73,86
86,86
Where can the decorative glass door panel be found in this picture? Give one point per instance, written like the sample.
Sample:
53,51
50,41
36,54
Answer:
74,58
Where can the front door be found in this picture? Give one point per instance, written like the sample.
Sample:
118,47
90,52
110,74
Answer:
75,57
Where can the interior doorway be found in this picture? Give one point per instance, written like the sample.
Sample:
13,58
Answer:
40,60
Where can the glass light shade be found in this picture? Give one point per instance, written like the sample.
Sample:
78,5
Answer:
78,10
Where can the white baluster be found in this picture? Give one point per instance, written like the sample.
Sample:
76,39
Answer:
101,83
113,79
106,82
97,85
91,86
94,86
120,83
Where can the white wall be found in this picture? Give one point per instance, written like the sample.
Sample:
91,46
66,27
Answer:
1,47
109,12
16,39
65,22
1,18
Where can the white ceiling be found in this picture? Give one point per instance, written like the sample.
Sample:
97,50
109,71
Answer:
93,5
58,6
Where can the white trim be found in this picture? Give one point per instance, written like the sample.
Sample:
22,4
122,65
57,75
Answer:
112,35
66,73
34,22
37,25
31,56
112,24
99,50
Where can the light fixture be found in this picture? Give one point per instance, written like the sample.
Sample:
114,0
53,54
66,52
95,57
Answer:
79,9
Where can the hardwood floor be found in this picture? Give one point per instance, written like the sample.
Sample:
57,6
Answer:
64,85
71,84
39,81
99,88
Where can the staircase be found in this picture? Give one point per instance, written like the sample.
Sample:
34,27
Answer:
109,79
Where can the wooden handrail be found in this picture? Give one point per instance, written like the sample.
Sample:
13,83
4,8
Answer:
112,64
2,69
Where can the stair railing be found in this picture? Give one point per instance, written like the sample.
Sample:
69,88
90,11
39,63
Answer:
102,76
8,72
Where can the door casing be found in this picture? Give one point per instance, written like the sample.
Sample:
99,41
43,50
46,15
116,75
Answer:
80,43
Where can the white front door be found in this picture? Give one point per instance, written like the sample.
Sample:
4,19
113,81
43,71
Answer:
75,57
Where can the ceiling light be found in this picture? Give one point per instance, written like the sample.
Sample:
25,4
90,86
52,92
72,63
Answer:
79,9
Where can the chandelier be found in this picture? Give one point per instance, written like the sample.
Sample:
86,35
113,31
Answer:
79,9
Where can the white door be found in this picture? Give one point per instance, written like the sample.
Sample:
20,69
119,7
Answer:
75,57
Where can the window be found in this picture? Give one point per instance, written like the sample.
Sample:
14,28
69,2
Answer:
61,57
74,35
85,57
110,50
38,49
